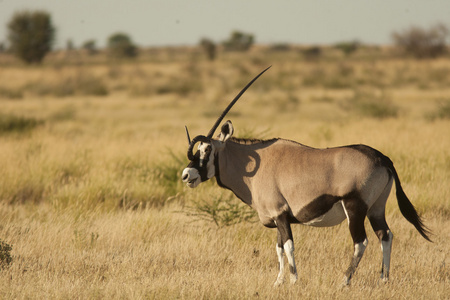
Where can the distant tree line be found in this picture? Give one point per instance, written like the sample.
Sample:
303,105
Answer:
31,35
238,41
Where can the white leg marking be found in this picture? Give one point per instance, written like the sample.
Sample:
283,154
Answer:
386,246
280,279
360,247
346,213
289,248
357,255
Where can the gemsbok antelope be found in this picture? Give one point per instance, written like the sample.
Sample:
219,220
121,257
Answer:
287,182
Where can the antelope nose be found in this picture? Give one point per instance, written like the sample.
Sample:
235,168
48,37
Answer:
185,177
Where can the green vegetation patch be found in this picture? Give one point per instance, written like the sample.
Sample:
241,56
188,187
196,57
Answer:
221,210
5,255
442,111
12,123
372,105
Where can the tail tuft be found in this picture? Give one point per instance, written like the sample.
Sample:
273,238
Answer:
406,207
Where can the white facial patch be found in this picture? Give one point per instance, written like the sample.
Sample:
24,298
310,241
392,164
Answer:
207,154
191,177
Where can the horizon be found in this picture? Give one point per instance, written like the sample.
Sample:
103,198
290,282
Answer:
180,23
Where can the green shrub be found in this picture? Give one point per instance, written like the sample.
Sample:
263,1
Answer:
90,47
222,211
348,47
239,41
80,84
66,113
90,85
371,105
5,255
11,123
209,47
150,184
441,112
379,109
11,94
312,53
180,86
168,173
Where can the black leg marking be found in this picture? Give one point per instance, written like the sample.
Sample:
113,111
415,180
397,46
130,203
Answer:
356,211
380,227
284,230
285,241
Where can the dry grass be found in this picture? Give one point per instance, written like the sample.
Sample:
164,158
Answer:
162,254
92,205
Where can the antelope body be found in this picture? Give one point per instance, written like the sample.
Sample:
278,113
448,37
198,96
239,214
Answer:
287,182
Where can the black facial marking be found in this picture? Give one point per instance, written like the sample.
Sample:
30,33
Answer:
203,170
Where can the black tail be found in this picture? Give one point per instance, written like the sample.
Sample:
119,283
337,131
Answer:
406,207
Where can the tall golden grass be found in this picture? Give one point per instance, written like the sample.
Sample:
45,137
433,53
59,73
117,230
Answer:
93,207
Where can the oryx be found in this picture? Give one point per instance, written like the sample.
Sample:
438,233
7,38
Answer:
287,182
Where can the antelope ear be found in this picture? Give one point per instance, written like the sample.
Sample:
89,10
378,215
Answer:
226,131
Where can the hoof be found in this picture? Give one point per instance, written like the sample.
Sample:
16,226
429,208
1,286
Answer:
278,282
294,278
346,282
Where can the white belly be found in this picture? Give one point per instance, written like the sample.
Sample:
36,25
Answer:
332,217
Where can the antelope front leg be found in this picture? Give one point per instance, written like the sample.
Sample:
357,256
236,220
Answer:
285,244
280,279
289,248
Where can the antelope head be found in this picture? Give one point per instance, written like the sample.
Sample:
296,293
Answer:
201,166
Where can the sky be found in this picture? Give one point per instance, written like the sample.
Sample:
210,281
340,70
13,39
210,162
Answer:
184,22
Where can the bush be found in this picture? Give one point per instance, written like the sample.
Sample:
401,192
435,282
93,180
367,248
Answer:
312,52
79,84
209,47
121,46
90,47
280,47
11,123
348,47
31,35
5,255
222,211
422,43
442,111
239,41
9,93
370,105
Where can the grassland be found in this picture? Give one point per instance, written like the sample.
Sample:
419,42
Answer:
91,153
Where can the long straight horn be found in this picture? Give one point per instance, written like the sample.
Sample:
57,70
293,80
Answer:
213,129
187,133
